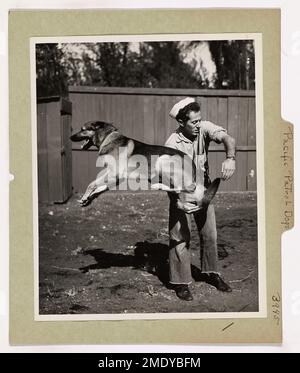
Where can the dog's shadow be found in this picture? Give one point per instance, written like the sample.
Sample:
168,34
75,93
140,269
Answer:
106,260
150,257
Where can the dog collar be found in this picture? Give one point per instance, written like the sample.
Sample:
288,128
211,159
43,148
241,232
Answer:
107,138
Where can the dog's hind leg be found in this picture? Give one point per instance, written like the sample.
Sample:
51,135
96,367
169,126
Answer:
169,183
174,174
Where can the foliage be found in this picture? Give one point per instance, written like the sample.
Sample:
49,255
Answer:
51,78
145,64
235,64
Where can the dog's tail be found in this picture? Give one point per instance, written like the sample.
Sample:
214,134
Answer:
192,186
210,192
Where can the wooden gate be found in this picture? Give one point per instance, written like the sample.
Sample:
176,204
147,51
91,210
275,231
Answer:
54,149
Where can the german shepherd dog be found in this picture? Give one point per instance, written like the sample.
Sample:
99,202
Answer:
173,171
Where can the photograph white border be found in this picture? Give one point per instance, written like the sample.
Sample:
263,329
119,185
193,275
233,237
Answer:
257,37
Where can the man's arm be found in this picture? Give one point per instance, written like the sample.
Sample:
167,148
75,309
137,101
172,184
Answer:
228,166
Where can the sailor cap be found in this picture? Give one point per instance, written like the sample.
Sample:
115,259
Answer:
180,105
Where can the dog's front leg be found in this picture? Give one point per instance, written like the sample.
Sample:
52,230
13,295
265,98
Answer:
95,188
92,191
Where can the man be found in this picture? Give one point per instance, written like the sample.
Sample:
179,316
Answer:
193,137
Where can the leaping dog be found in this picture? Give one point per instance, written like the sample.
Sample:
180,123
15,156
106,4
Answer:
172,170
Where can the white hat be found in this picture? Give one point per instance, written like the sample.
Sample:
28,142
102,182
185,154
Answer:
180,105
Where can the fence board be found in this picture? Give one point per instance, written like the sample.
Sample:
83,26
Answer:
241,171
138,118
203,107
42,144
163,91
64,166
212,116
148,119
222,120
233,116
127,115
54,155
212,109
252,171
81,177
170,123
159,126
251,166
242,139
66,155
222,112
251,122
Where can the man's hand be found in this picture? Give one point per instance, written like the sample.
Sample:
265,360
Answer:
187,207
228,168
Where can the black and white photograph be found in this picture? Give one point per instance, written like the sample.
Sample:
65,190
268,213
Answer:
149,172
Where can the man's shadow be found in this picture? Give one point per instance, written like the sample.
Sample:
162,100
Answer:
153,258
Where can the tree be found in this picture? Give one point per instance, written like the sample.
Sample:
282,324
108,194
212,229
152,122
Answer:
235,63
225,64
114,62
156,64
51,78
167,68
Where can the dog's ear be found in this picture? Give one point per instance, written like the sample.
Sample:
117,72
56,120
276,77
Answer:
101,125
96,125
111,125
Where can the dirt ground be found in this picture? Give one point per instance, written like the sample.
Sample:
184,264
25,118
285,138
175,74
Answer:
111,257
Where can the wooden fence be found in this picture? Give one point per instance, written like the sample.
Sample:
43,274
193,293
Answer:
54,149
143,113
